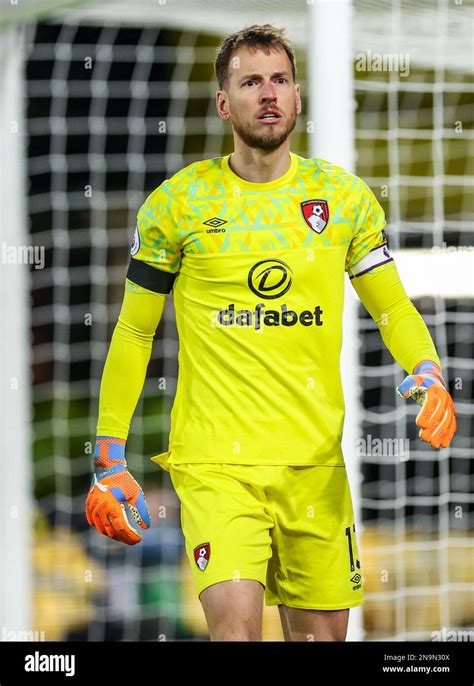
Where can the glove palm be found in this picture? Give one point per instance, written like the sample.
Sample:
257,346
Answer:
436,418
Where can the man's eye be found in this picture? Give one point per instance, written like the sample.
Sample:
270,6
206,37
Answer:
282,78
249,81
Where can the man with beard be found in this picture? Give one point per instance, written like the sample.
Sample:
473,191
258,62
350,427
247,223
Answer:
255,246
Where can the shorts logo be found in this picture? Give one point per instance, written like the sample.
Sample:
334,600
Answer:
135,247
316,214
356,579
202,553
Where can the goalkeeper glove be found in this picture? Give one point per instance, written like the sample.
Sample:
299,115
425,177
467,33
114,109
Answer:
113,486
437,417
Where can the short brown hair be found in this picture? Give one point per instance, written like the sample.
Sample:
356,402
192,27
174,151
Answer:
263,36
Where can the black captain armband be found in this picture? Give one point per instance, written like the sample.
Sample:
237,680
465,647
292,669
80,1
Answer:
149,277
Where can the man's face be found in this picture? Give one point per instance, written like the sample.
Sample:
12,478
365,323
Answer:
260,84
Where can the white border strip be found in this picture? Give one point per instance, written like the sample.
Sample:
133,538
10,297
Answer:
438,272
16,485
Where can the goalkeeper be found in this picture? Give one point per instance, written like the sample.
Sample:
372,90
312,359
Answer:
254,247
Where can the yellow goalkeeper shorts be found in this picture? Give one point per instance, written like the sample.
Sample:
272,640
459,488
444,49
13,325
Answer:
290,528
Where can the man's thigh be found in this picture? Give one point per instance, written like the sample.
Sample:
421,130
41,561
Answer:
234,610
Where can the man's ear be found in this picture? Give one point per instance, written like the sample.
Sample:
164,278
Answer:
298,98
222,104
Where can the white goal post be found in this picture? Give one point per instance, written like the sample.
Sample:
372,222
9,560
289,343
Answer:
16,482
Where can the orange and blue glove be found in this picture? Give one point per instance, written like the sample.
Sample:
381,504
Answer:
112,487
437,417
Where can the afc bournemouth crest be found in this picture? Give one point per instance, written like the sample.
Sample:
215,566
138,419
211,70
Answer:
202,553
316,214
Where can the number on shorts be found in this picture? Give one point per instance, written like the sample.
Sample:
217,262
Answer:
351,550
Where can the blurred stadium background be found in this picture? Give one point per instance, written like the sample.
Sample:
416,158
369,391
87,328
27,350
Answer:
101,101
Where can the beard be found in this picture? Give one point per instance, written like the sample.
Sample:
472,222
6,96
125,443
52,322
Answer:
267,138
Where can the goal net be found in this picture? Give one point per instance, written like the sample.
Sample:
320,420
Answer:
119,96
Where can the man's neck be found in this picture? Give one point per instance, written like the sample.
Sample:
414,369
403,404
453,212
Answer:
257,167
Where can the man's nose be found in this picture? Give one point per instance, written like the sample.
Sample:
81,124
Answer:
268,91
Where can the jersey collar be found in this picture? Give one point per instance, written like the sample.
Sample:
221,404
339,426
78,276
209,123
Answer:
268,186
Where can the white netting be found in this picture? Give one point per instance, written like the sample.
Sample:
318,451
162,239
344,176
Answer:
415,144
100,82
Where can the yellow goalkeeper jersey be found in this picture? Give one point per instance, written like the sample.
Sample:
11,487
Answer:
257,275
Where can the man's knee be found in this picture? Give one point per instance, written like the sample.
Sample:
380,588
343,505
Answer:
234,630
313,625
